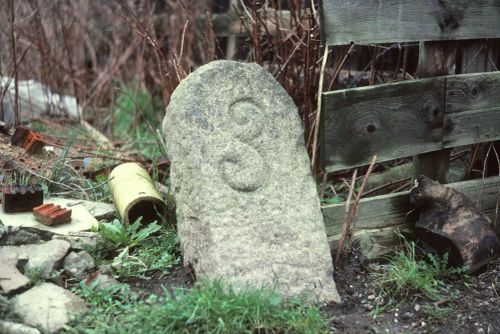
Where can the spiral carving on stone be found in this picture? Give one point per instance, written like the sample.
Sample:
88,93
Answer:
243,169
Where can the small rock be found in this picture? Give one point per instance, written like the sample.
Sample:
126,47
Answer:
406,315
371,297
11,278
47,256
7,327
14,236
369,307
100,281
106,269
80,240
77,264
48,307
6,230
423,324
416,307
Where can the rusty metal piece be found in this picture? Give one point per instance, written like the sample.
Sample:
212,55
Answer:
21,198
450,223
28,139
51,214
33,143
19,136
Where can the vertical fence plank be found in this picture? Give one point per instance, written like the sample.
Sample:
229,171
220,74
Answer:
435,59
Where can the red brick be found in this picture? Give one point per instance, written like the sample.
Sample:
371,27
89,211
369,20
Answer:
51,214
28,139
21,199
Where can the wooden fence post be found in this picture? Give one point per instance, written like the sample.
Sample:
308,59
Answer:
482,55
435,59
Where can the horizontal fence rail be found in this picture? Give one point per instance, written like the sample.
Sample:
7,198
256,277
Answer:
389,21
412,117
380,218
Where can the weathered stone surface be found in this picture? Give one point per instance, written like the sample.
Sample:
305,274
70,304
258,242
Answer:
11,278
80,240
46,256
77,264
247,207
48,307
8,327
14,236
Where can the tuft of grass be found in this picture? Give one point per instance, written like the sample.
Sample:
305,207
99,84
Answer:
209,307
159,253
133,251
408,276
33,274
117,235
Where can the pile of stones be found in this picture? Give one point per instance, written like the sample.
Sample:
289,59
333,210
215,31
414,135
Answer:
36,268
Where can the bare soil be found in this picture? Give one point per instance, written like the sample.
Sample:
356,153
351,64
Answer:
471,304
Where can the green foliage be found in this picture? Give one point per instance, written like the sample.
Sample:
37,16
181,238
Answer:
206,308
133,119
33,274
407,275
332,200
159,253
139,252
117,235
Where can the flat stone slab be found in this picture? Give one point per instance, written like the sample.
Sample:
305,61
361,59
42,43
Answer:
8,327
48,306
81,219
247,207
45,256
11,278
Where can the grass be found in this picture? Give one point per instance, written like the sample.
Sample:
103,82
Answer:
408,276
206,308
159,253
132,118
136,250
34,274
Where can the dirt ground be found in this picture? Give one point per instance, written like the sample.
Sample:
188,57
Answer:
471,306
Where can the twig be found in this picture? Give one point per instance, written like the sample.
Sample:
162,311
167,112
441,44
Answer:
345,226
348,226
408,183
385,185
339,67
318,108
14,56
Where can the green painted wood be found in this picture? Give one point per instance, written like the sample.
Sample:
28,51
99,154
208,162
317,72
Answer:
390,120
387,21
472,109
378,217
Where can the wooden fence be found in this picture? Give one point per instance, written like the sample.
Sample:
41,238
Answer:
423,118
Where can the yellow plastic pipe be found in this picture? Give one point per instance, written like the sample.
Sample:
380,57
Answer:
135,194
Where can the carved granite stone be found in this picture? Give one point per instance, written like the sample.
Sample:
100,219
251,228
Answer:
247,208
